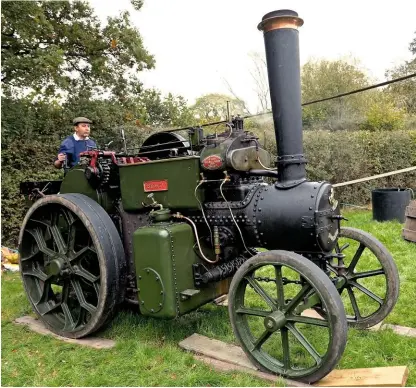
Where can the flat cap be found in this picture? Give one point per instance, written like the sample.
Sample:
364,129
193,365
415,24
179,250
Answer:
79,120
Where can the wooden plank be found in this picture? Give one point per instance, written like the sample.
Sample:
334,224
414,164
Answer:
395,376
38,327
221,300
401,330
226,367
216,349
391,376
311,314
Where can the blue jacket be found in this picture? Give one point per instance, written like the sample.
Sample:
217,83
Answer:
72,148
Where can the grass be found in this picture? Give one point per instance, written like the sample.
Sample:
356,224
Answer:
147,353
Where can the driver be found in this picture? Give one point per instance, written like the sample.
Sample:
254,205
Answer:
74,144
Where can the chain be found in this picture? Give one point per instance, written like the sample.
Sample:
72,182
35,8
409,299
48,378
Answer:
284,280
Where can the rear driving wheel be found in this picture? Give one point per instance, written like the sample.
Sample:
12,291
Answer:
72,263
266,299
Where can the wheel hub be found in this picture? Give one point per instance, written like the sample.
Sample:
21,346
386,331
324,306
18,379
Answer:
54,267
275,321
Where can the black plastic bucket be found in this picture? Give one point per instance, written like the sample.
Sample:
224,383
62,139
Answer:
390,204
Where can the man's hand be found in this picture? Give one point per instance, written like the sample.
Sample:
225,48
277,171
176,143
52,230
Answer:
61,157
60,161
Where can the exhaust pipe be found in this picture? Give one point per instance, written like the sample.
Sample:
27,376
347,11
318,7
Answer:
281,38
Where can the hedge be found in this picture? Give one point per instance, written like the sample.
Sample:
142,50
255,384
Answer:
333,156
343,156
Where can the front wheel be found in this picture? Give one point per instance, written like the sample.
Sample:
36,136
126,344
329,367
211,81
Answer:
266,299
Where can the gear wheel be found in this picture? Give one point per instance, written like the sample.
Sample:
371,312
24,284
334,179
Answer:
106,169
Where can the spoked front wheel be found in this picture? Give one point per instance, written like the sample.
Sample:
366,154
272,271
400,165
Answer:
72,263
266,299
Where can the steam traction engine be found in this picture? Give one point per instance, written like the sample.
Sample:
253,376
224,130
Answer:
182,222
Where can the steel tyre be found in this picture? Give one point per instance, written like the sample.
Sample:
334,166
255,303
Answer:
372,280
72,264
266,319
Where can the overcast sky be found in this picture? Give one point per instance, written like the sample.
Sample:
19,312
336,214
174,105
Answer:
197,44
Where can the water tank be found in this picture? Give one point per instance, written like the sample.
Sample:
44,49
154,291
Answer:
390,203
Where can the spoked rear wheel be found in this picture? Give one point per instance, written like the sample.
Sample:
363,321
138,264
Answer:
72,263
265,306
372,280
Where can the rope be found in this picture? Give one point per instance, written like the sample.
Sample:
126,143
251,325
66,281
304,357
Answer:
374,177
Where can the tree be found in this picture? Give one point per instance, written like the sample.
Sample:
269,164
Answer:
213,107
324,78
259,75
50,46
169,111
404,92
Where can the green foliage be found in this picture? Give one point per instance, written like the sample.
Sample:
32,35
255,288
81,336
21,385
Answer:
324,78
51,47
213,107
344,156
383,115
404,93
32,131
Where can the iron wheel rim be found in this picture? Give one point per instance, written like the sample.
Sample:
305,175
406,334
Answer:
354,287
250,342
62,279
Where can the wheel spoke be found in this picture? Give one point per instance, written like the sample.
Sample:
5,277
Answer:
257,313
40,241
332,269
261,292
307,320
354,303
305,343
279,285
356,257
71,240
69,217
80,295
69,320
285,346
47,307
97,289
297,299
367,292
31,256
35,272
375,272
58,238
261,340
82,272
44,295
81,252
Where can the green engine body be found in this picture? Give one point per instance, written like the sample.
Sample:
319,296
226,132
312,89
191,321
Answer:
172,182
164,254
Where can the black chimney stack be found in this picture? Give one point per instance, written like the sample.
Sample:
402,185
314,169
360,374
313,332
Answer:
281,38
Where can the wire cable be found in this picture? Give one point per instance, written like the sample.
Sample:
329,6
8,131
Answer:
232,215
313,102
202,210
